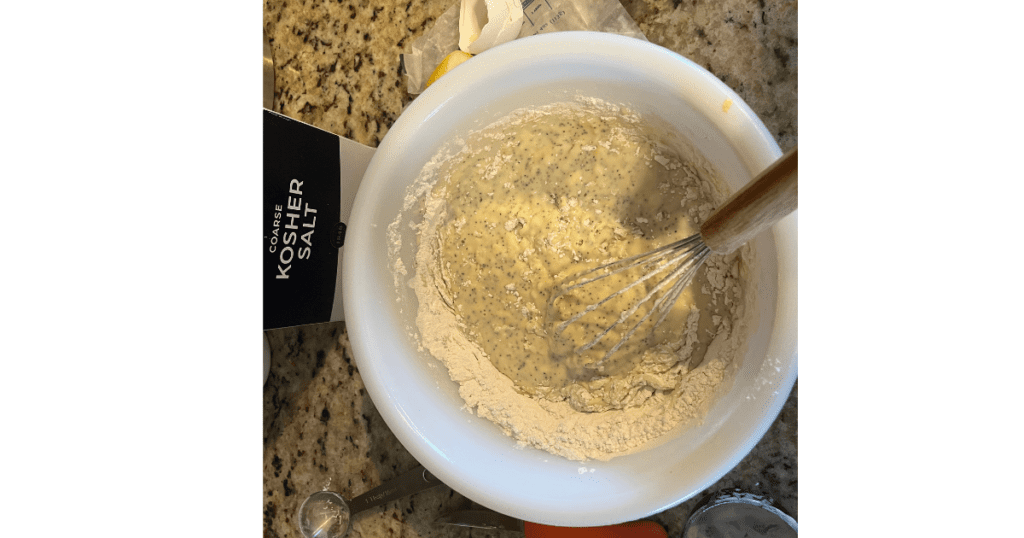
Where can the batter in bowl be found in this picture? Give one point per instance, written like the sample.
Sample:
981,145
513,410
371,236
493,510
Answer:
531,200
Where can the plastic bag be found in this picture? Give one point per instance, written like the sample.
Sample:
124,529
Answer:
487,23
541,16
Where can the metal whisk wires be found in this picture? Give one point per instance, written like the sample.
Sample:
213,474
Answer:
680,259
753,209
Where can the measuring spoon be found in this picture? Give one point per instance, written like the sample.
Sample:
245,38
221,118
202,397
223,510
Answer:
326,514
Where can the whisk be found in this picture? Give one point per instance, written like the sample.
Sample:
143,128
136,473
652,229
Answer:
754,208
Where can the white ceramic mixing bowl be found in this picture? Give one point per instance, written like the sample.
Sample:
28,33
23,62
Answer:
412,390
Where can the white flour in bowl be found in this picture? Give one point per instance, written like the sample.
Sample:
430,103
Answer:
520,205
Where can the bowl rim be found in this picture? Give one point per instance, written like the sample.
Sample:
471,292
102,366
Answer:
760,150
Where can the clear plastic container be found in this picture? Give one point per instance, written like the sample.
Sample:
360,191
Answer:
737,514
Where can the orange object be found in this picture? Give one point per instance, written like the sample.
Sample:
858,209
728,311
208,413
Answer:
633,529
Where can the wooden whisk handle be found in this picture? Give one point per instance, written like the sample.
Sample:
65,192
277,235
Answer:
761,203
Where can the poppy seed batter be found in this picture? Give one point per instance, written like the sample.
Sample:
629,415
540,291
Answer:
531,201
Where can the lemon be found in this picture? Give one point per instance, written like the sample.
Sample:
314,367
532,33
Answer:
447,64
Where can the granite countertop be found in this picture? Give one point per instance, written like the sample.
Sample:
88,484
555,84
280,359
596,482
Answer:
337,67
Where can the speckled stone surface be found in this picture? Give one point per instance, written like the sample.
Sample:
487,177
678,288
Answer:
337,67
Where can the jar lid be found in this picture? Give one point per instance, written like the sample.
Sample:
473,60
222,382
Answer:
737,514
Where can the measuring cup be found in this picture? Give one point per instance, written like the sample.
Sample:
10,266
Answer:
326,514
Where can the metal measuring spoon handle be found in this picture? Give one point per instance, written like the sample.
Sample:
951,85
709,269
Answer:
326,514
412,481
